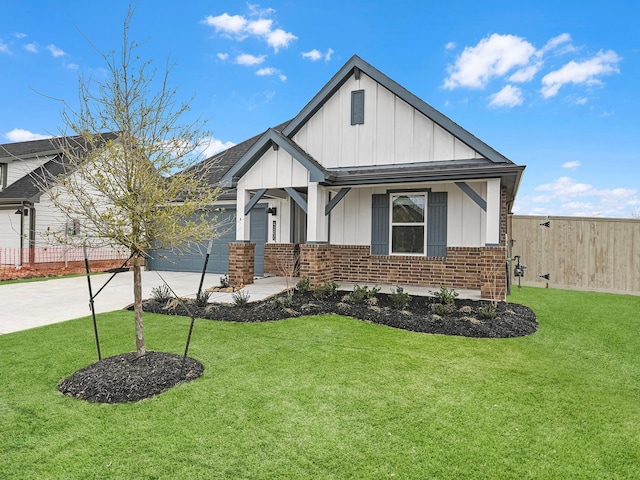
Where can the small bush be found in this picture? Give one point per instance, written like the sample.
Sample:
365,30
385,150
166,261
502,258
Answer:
487,311
224,281
362,294
465,309
445,296
442,309
161,294
399,298
326,290
202,298
285,301
304,285
241,298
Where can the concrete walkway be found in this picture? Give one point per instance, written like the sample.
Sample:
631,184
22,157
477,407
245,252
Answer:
34,304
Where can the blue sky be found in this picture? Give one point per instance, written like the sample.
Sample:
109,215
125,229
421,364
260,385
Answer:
552,85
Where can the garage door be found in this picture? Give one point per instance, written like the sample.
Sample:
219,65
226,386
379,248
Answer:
193,260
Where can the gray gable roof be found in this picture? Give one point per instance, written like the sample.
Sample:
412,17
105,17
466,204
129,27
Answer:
26,188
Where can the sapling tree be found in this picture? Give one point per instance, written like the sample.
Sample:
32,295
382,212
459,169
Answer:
130,171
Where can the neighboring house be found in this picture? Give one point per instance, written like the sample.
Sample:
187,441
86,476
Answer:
368,184
27,214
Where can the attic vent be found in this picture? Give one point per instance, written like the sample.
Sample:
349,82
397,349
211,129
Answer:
357,107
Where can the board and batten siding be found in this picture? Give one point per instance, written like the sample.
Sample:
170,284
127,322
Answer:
275,169
599,254
350,222
393,131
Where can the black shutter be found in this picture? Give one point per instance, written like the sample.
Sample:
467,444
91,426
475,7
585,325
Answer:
437,224
380,224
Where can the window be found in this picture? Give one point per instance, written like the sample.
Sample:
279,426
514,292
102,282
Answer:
357,107
3,176
408,224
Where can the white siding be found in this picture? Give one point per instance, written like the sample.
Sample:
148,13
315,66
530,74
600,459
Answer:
275,169
19,168
351,218
393,132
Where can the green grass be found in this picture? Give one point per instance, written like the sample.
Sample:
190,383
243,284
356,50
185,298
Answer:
332,397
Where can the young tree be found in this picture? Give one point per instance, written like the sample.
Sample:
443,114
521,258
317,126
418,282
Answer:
135,186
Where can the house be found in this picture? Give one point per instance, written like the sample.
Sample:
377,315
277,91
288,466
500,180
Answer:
367,183
27,213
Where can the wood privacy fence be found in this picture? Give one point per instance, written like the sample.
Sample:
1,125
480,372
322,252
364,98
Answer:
598,254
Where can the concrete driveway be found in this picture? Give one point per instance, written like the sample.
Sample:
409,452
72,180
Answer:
33,304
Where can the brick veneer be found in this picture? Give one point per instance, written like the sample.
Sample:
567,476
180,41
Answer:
241,258
282,259
476,268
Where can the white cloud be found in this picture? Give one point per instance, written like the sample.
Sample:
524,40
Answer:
581,100
4,48
249,60
72,66
239,27
20,35
315,55
55,51
210,146
228,24
269,71
571,165
566,196
492,57
555,42
223,56
509,96
450,46
260,27
526,74
279,39
31,47
586,72
21,135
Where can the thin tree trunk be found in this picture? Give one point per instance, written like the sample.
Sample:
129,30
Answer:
141,347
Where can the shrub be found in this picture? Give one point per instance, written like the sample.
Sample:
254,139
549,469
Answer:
362,294
442,309
444,295
285,301
466,309
326,290
304,285
399,298
487,311
241,298
202,298
161,294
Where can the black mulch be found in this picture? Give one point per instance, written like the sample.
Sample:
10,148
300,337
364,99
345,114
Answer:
511,320
127,378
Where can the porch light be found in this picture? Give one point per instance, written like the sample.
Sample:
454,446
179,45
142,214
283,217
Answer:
272,211
24,212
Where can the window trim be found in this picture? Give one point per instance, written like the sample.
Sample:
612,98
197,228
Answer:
425,196
357,107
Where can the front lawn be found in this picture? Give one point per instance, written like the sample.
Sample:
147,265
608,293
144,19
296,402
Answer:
333,397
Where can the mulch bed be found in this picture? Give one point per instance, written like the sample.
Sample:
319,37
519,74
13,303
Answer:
126,378
511,320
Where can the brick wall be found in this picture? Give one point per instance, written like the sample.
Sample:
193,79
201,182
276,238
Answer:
282,259
241,258
475,268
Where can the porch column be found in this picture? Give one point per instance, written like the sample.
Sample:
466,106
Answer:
316,263
242,221
493,212
317,221
241,261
